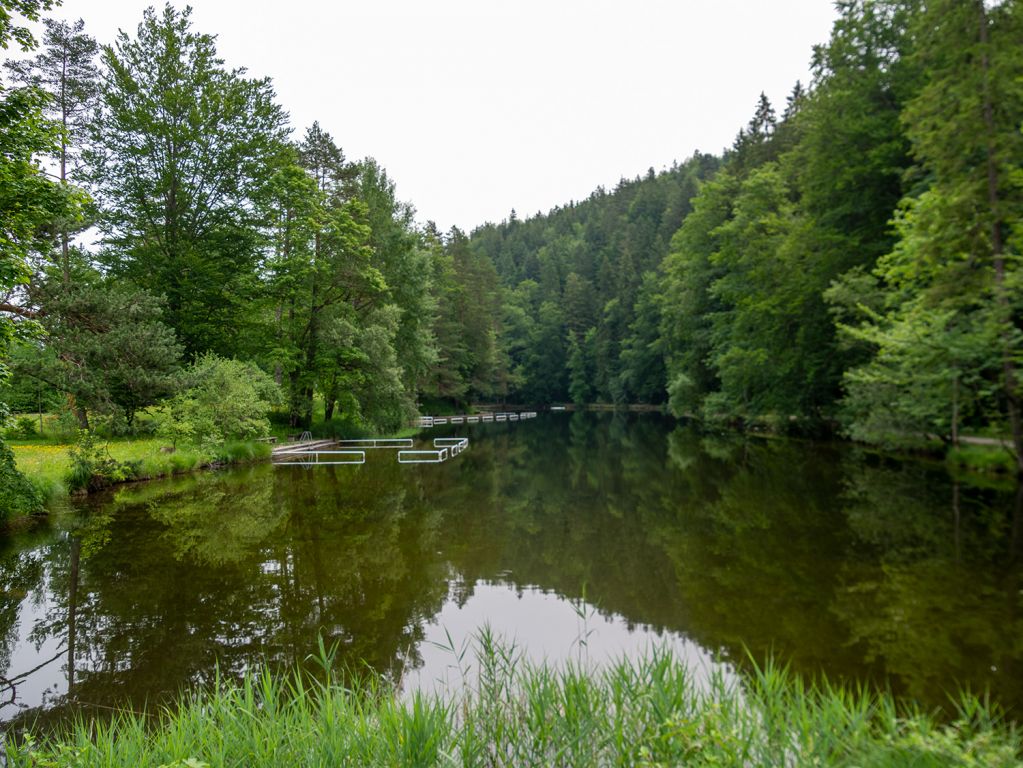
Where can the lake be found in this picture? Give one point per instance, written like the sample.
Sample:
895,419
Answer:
575,536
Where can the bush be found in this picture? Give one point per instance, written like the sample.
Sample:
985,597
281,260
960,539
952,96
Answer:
18,497
25,428
93,468
983,458
224,400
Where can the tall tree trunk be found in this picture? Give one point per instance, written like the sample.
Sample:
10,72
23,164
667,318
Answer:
295,410
955,411
330,398
997,248
80,413
65,259
957,520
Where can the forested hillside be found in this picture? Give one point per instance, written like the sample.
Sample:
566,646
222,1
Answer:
850,263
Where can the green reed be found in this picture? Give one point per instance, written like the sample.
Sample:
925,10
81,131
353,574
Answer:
505,711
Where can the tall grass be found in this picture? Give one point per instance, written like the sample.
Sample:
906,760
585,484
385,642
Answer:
992,459
651,711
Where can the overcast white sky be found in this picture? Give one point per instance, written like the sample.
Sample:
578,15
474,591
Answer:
476,107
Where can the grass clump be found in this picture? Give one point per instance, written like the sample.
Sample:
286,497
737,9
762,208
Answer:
238,451
985,459
651,711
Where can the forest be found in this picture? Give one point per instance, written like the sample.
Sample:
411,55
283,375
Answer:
849,265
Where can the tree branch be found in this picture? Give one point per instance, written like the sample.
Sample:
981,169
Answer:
14,309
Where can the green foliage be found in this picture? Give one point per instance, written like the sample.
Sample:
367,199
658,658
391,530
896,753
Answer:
24,428
581,364
992,459
184,223
221,400
469,362
18,497
766,288
93,468
239,451
106,344
28,202
946,338
30,10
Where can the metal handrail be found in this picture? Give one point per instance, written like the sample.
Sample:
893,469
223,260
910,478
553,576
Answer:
302,459
379,442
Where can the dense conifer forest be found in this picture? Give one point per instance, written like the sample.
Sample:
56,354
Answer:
849,265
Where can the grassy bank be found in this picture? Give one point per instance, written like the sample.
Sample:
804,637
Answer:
647,712
48,465
983,459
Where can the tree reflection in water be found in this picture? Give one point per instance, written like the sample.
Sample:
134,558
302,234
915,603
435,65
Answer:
833,559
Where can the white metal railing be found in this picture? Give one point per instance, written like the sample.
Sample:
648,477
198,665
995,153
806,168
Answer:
423,456
456,444
444,448
312,458
379,442
425,422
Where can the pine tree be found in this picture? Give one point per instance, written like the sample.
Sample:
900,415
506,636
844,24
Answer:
66,71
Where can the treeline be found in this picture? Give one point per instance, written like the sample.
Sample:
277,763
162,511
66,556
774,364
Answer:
848,264
851,263
213,229
580,319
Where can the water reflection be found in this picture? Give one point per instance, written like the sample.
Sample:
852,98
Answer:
831,558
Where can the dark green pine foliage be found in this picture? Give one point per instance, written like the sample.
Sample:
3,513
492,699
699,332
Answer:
106,345
574,281
469,362
66,72
406,263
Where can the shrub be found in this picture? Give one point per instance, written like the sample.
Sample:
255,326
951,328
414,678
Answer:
983,458
93,468
24,428
18,497
223,400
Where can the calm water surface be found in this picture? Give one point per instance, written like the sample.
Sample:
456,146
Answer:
578,535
